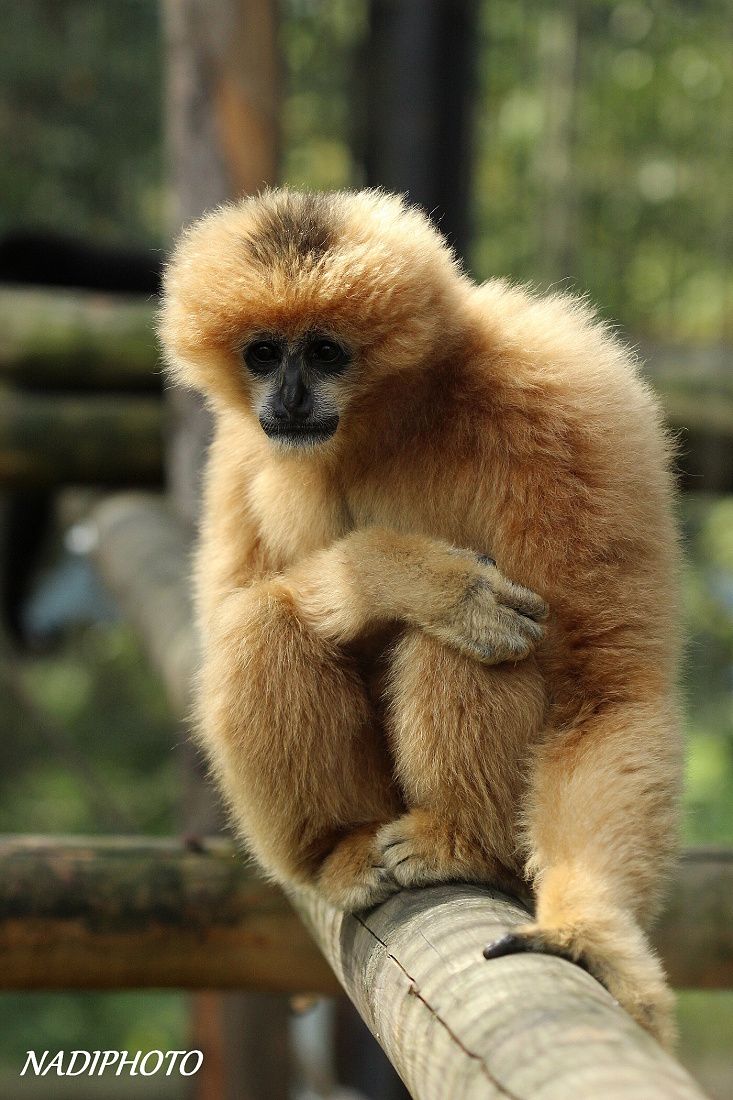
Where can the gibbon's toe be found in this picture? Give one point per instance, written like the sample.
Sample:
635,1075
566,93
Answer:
636,983
534,940
417,849
354,876
405,858
423,848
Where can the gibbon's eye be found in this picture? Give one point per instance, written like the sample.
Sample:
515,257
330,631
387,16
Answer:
326,354
262,356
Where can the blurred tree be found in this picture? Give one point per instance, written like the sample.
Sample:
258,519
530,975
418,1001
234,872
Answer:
81,118
604,139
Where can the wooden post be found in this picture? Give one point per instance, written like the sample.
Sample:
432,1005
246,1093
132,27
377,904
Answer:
223,96
421,81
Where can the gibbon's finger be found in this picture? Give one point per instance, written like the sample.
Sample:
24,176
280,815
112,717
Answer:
491,645
486,560
498,645
514,623
520,599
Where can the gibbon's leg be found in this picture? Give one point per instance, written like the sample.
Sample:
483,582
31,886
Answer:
601,821
292,737
286,716
460,733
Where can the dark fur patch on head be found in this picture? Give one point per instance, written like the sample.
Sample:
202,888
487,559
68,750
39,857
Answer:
297,227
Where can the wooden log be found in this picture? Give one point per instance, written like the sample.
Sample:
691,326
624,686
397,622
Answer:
453,1025
143,553
92,440
67,340
121,913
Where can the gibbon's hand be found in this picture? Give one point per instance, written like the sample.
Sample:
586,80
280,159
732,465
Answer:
491,619
376,575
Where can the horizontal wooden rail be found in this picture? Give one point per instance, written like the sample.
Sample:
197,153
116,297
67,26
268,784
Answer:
91,440
66,339
57,341
104,913
49,438
122,913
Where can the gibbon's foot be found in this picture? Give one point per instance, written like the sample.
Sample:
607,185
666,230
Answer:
634,977
354,876
421,848
494,620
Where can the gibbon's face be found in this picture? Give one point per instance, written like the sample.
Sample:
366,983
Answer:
301,310
295,385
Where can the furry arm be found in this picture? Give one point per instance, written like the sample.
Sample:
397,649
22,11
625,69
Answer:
376,576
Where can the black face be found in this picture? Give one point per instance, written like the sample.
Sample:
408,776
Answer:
293,385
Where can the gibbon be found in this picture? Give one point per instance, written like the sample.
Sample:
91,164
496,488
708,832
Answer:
437,577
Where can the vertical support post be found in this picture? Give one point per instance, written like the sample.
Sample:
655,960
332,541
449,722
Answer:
421,61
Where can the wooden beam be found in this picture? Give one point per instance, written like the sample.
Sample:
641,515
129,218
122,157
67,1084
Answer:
47,441
66,340
196,915
122,913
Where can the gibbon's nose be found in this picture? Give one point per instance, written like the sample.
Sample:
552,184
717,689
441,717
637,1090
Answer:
295,396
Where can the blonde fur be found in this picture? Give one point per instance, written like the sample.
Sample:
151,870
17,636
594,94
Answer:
373,716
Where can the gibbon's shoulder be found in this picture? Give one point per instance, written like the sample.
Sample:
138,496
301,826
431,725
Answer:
553,348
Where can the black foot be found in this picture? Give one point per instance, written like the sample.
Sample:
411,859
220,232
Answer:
510,944
515,943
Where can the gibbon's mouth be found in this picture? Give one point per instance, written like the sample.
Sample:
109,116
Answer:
302,433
